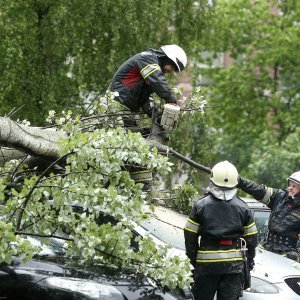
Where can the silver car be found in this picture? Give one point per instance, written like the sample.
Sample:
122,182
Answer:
273,277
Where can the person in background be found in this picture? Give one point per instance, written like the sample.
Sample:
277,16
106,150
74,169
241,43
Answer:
224,224
284,221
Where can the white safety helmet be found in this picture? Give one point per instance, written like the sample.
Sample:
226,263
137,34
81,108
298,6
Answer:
176,54
224,174
295,177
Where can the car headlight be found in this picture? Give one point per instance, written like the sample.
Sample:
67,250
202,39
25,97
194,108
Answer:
261,286
93,290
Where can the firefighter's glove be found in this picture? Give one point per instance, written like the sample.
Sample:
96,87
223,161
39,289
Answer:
250,263
240,181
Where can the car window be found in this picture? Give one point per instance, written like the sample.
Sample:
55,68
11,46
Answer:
261,218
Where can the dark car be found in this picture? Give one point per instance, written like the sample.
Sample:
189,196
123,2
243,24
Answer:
39,279
49,276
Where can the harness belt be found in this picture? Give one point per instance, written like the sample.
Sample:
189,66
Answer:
281,240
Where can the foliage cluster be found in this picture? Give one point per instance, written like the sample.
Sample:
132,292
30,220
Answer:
93,177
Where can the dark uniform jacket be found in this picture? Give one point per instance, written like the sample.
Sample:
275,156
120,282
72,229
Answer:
284,221
220,224
138,78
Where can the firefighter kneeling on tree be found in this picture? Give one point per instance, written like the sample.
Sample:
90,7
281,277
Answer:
136,80
144,74
224,224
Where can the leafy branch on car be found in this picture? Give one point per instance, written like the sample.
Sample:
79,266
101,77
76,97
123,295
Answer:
82,161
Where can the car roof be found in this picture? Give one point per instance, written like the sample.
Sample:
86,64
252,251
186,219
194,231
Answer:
252,203
177,219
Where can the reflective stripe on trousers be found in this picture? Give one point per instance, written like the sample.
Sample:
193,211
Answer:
140,176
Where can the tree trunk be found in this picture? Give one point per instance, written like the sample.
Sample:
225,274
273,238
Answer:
40,144
27,140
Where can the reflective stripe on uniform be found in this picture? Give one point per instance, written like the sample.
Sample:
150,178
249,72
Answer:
192,226
261,246
250,229
124,107
149,69
268,194
140,176
219,255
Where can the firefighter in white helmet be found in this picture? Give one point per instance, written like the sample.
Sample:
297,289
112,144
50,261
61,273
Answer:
284,221
136,79
144,74
222,220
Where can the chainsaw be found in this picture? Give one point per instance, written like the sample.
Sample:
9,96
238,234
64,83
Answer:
170,116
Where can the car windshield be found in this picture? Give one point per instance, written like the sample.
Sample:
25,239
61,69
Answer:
165,232
167,226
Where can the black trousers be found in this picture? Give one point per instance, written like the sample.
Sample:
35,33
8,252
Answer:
227,286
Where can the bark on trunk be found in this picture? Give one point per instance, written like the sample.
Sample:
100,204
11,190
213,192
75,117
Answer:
30,140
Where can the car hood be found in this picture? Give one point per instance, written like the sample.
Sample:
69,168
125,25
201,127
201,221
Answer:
27,276
103,274
274,267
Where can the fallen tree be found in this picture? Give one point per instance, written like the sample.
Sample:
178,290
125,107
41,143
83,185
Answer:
78,163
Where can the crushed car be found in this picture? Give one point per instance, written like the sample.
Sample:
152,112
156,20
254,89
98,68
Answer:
51,275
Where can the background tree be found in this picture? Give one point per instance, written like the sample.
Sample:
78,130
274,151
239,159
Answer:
55,53
192,138
256,98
